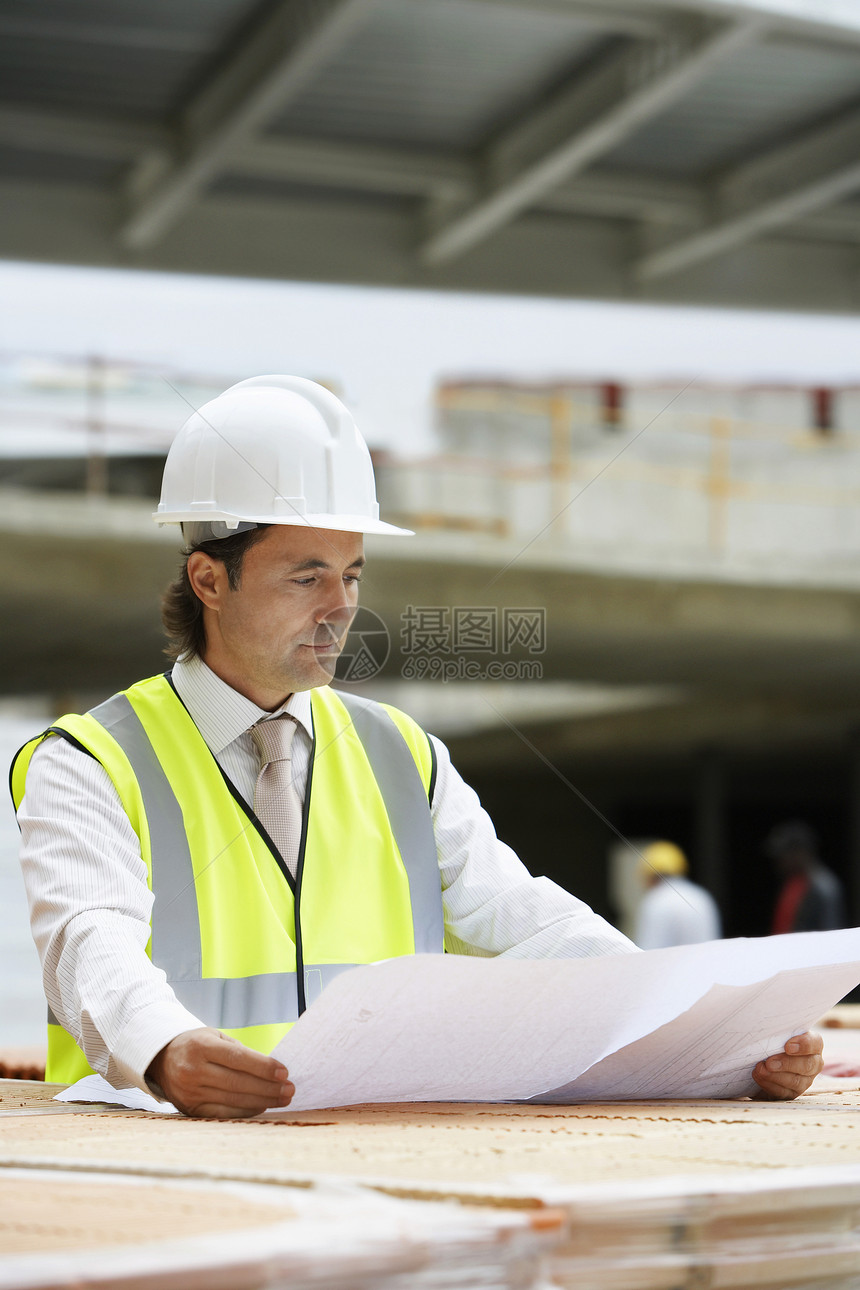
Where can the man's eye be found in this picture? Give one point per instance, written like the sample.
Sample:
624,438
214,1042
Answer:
304,582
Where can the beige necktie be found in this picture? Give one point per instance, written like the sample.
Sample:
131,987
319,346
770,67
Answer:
276,801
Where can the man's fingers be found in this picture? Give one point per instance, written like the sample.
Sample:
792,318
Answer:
239,1084
236,1082
770,1091
783,1076
212,1099
781,1084
788,1074
231,1086
808,1043
240,1080
238,1057
794,1065
241,1102
217,1111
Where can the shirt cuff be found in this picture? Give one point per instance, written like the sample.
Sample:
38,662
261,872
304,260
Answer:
145,1036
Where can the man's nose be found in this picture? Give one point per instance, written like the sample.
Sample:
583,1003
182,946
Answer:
335,598
336,614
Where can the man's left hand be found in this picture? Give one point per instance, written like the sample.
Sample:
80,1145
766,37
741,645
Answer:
790,1073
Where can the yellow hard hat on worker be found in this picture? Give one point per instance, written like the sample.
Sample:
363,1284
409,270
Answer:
664,858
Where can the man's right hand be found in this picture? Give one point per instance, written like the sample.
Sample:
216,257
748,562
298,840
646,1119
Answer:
203,1072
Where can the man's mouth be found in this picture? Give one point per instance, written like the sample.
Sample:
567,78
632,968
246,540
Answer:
330,634
330,645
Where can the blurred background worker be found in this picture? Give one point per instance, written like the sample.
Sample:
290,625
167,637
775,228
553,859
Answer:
674,910
810,898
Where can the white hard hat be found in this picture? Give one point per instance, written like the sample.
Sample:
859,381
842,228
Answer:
271,450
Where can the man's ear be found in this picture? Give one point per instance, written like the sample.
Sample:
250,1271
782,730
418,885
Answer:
208,579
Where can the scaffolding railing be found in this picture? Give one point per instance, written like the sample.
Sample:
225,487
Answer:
718,484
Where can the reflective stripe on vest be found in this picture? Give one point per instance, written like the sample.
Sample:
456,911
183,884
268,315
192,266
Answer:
233,1003
271,998
406,803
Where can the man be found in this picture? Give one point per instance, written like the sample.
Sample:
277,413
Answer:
673,910
810,898
181,928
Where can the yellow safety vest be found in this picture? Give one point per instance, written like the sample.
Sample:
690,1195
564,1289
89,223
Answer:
244,946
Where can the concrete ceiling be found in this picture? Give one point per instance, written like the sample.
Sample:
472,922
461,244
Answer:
701,151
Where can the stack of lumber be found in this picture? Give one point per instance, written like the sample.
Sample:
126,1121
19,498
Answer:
629,1196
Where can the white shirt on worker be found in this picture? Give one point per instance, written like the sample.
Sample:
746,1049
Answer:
90,904
676,912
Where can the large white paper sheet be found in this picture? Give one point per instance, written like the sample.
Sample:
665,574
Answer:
685,1022
95,1088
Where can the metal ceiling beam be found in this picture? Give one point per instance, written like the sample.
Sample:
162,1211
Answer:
328,239
77,134
401,172
603,15
397,172
584,121
271,66
451,177
124,35
783,185
291,159
348,165
631,197
836,224
826,19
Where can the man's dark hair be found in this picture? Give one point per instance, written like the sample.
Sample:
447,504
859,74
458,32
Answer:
182,611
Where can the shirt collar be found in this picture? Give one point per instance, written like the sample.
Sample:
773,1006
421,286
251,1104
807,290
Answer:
222,714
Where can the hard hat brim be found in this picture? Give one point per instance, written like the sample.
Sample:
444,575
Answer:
336,523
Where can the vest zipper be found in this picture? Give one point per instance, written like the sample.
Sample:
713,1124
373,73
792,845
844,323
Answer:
300,867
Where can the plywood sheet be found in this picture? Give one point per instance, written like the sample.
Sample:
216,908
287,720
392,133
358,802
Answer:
447,1144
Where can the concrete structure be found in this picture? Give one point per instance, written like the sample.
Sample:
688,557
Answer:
97,568
682,150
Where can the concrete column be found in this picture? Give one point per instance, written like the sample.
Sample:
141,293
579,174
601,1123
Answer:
709,837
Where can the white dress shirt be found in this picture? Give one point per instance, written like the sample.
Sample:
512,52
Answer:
90,904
